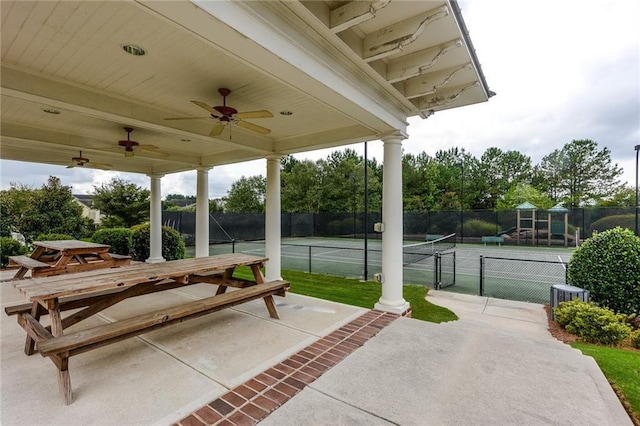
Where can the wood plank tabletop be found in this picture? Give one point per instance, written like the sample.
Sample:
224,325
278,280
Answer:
62,245
39,289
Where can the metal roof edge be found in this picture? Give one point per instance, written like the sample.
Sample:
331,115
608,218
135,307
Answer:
472,51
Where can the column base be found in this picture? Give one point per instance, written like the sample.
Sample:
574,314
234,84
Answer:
402,310
156,260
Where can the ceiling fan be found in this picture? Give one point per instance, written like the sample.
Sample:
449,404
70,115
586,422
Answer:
129,146
81,161
226,115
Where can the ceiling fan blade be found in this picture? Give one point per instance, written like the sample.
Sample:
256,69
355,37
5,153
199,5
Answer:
152,150
253,114
217,129
185,118
71,166
253,127
205,106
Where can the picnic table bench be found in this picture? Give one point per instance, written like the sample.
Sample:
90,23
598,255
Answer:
66,256
94,291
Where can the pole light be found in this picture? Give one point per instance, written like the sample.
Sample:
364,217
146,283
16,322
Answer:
461,164
637,148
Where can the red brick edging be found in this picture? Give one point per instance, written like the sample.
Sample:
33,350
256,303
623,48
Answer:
255,399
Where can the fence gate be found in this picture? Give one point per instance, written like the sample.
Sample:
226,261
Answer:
444,270
526,280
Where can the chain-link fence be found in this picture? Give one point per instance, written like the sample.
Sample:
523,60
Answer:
526,280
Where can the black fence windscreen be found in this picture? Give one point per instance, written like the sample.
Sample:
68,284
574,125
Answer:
469,226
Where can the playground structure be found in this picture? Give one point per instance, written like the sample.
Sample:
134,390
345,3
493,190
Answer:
537,226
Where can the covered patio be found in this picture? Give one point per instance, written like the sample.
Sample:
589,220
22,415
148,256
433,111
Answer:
157,87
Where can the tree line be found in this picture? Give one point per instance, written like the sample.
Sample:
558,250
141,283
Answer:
577,175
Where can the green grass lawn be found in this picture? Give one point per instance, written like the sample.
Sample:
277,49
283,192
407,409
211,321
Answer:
621,367
354,292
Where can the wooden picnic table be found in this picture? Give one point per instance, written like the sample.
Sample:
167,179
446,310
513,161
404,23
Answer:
96,290
65,256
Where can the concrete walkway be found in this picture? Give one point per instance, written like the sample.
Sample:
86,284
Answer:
321,363
497,365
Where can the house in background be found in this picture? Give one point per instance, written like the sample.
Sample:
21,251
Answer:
86,202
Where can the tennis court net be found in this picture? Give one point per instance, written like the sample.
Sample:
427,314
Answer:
413,253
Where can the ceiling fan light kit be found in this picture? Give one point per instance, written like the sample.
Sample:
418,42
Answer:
81,161
226,115
129,146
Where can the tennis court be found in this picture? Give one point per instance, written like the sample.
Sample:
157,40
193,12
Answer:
510,272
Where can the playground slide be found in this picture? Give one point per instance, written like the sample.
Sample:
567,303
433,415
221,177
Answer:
508,230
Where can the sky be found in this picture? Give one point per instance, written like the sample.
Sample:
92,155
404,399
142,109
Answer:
562,70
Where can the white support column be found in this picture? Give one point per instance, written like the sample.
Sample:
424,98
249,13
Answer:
391,299
272,219
155,222
202,212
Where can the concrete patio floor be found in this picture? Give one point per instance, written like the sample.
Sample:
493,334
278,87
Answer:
337,364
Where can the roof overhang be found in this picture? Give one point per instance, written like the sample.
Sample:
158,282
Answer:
346,71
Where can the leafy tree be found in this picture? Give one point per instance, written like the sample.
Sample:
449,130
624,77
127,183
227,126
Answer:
123,203
189,198
418,182
247,195
342,183
50,209
453,191
215,206
499,171
15,204
623,196
523,192
579,173
301,184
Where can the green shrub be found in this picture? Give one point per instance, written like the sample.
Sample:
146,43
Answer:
608,265
53,237
172,245
592,323
478,228
610,222
10,247
635,339
117,238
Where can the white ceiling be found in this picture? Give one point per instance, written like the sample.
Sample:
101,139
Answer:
313,59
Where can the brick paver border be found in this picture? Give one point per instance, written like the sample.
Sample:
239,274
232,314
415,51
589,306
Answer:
255,399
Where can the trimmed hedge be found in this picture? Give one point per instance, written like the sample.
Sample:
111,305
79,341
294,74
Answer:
613,221
54,237
592,323
172,245
10,247
117,238
478,228
608,265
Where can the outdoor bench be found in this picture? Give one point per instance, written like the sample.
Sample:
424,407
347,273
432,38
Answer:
82,341
493,239
28,262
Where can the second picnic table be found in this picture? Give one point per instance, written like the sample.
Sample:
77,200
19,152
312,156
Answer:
65,256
